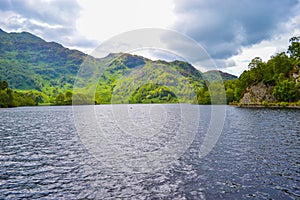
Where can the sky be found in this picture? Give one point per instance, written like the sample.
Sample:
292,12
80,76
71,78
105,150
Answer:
231,31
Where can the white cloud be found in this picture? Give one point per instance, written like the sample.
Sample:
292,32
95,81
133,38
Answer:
263,50
100,20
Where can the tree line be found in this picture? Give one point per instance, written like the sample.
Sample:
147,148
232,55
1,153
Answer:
12,98
280,72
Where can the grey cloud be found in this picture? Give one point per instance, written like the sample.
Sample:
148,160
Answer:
223,27
231,63
51,20
161,54
63,12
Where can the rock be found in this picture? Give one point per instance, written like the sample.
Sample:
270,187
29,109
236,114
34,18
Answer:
295,73
258,93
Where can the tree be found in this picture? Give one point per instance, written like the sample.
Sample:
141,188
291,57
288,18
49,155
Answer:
294,48
4,99
256,67
69,95
255,63
280,63
3,85
241,84
286,91
60,98
230,95
203,96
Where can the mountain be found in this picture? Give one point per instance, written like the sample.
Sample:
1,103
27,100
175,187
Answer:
134,79
29,63
214,75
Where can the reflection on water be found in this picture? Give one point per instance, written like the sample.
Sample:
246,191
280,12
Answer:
137,138
257,156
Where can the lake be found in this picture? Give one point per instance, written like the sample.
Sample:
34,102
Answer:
89,152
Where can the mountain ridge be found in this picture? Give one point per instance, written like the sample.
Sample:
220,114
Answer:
27,62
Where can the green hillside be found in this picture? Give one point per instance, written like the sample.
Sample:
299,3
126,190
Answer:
158,77
47,71
29,63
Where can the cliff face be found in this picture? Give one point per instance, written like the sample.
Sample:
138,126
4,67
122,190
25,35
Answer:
258,93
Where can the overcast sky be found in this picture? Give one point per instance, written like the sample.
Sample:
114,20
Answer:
231,31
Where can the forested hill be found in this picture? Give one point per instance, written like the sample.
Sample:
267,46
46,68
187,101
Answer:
47,70
275,82
44,72
29,62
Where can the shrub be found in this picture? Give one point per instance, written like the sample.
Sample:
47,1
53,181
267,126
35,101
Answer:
265,104
283,104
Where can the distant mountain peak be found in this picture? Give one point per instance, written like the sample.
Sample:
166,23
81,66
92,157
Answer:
215,75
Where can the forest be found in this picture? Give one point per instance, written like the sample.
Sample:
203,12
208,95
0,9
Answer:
12,98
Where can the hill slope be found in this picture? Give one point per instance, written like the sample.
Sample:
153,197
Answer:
27,62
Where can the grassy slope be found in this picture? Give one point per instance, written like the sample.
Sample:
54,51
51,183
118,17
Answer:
27,62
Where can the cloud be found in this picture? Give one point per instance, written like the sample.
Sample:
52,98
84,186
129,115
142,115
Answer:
51,20
53,12
157,54
224,27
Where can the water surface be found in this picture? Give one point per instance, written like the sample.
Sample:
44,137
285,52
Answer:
256,157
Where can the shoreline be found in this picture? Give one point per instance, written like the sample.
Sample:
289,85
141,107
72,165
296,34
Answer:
259,106
269,106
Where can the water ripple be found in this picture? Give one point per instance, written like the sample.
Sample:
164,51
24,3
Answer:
257,156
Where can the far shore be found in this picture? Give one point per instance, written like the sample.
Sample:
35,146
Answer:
268,106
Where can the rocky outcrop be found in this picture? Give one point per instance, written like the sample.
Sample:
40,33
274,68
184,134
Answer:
258,93
295,73
261,93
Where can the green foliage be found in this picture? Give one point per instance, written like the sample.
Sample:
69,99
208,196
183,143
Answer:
29,63
286,91
217,93
133,85
60,98
153,93
11,98
44,72
265,104
230,88
294,48
69,95
276,72
230,95
203,96
4,99
3,85
283,104
280,64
